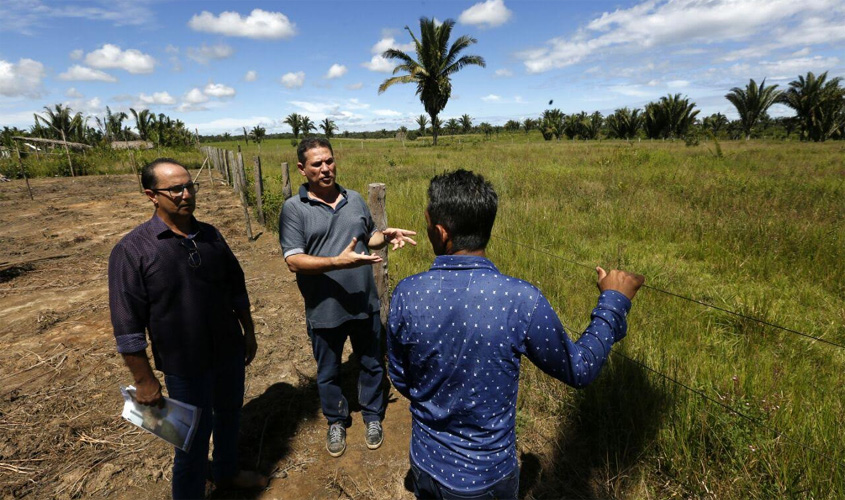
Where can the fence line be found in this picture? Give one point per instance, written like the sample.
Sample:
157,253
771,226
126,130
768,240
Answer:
682,297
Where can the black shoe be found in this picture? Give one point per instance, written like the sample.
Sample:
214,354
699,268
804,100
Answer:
336,439
375,434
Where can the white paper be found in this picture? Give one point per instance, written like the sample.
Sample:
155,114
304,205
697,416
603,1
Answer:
175,423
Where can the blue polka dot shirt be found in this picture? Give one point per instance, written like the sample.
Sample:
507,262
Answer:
456,334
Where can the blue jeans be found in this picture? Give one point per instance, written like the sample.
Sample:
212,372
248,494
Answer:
327,344
426,487
220,394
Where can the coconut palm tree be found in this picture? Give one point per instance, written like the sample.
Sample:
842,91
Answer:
466,123
752,102
436,62
295,122
257,135
452,125
715,122
422,121
328,125
552,124
144,121
670,117
306,124
624,123
819,104
60,123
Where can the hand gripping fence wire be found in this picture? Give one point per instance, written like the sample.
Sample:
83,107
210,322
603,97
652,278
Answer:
682,297
777,433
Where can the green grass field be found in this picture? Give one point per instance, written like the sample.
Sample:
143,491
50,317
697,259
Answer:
756,228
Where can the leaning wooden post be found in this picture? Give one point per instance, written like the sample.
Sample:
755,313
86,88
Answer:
23,172
241,189
135,169
375,201
67,152
227,163
259,189
286,191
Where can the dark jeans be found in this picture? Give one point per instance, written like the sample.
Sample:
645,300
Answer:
220,395
427,487
327,344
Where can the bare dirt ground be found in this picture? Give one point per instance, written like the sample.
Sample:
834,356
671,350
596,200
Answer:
61,434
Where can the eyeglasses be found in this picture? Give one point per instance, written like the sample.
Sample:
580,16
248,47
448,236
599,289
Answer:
194,257
178,190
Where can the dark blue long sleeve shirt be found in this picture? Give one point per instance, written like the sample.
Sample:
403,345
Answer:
456,334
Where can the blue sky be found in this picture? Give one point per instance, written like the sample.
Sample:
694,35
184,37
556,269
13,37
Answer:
222,65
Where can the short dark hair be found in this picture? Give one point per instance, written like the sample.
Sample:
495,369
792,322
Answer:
148,175
465,204
311,143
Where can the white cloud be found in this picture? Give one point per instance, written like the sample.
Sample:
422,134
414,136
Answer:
22,16
389,42
491,98
504,73
195,96
788,69
386,112
659,23
76,54
205,53
355,86
336,71
112,57
800,53
21,79
235,124
161,98
250,76
487,14
218,90
677,84
73,93
260,24
87,107
379,64
293,80
77,73
630,91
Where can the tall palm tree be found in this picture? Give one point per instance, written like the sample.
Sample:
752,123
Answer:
143,122
306,124
818,105
328,125
61,123
257,135
295,122
422,121
466,123
752,102
435,64
670,117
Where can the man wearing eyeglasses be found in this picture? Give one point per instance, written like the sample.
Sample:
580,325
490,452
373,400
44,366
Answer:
176,279
326,232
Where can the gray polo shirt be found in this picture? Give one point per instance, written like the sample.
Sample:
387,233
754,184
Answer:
314,228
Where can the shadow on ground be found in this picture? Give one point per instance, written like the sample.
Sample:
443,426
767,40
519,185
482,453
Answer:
601,439
270,422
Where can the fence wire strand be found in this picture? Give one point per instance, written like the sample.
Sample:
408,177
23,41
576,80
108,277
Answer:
682,297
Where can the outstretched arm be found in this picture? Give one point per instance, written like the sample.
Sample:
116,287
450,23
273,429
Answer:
578,363
398,237
348,258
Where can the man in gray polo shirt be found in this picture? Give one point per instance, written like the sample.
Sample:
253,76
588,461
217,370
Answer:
326,233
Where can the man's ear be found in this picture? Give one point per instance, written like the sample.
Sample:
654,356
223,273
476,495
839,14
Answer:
445,236
151,195
301,168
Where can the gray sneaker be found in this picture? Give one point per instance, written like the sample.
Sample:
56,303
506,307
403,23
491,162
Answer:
375,434
336,439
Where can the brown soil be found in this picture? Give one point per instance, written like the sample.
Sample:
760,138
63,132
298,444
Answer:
61,434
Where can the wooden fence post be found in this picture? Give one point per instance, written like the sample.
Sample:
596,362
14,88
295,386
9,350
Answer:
135,169
241,189
375,201
286,189
23,172
259,189
227,164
